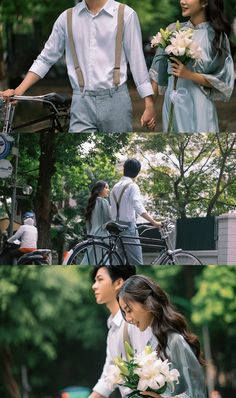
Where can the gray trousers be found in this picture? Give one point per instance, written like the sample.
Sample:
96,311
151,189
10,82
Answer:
104,110
134,253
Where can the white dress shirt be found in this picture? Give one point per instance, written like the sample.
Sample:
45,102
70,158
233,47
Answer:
94,37
115,347
131,203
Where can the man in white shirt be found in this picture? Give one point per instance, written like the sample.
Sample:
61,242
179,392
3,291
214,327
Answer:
126,205
97,66
107,282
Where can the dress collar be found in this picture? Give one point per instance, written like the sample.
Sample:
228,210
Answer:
202,25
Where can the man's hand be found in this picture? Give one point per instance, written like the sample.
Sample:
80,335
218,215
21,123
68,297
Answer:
148,119
148,116
6,94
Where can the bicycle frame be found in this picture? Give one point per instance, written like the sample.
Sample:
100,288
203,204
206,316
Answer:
118,242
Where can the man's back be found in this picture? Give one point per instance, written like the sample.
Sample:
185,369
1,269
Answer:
130,204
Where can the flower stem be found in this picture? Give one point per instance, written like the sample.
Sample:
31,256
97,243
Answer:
171,113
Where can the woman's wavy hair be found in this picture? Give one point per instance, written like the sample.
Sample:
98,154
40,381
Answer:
166,319
96,190
215,15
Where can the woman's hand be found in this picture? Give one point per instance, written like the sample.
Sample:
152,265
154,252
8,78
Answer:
151,394
179,69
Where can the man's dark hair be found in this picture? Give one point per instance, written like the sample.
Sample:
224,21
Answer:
131,168
115,271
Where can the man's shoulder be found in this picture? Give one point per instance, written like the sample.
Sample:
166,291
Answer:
128,10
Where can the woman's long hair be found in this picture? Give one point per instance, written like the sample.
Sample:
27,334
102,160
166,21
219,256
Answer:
215,15
96,190
166,319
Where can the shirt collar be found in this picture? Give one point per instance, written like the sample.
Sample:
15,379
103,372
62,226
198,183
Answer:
115,320
124,178
108,7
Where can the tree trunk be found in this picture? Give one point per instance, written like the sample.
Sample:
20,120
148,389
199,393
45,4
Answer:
10,382
3,80
44,206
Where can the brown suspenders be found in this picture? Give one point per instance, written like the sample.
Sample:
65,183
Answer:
118,201
118,48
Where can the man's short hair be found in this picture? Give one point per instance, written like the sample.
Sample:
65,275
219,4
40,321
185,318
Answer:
116,271
132,168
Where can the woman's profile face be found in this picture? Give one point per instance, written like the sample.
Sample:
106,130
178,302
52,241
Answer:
192,8
105,192
136,314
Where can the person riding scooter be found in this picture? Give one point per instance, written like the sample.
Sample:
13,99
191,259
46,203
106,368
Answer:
27,234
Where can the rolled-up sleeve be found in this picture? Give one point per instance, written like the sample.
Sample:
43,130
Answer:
53,49
137,200
134,53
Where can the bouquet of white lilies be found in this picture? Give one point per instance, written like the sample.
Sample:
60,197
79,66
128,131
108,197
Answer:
177,43
142,372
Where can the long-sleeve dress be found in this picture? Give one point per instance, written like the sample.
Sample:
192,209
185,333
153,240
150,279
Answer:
195,111
100,216
191,381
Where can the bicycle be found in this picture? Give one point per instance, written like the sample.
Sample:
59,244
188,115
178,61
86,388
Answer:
112,249
57,104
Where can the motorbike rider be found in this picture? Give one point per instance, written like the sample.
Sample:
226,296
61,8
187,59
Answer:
27,234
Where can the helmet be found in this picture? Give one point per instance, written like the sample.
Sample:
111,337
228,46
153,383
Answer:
28,214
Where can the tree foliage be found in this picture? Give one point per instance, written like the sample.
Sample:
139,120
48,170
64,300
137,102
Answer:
189,175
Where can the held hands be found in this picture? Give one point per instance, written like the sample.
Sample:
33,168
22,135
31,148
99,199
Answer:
148,117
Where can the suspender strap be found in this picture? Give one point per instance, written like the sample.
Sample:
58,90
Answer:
126,334
120,26
118,201
73,50
118,48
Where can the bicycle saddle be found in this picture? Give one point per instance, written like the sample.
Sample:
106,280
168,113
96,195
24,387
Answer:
115,228
58,99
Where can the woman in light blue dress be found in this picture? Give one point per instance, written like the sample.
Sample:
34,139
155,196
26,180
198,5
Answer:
97,214
200,84
143,303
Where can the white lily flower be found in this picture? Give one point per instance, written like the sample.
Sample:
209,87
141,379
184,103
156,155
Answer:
157,40
113,376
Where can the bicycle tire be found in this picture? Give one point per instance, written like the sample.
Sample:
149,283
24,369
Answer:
94,253
182,258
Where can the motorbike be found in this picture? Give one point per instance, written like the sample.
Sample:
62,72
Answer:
36,257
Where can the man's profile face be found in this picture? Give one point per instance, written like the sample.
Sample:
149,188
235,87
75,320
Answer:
104,289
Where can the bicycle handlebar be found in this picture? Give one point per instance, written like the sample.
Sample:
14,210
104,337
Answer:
53,99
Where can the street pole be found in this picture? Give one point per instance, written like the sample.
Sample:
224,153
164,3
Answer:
13,199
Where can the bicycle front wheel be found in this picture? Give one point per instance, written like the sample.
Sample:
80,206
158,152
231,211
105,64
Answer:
182,258
94,253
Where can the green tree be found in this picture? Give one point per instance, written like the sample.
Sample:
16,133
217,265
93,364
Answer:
214,305
37,306
189,175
